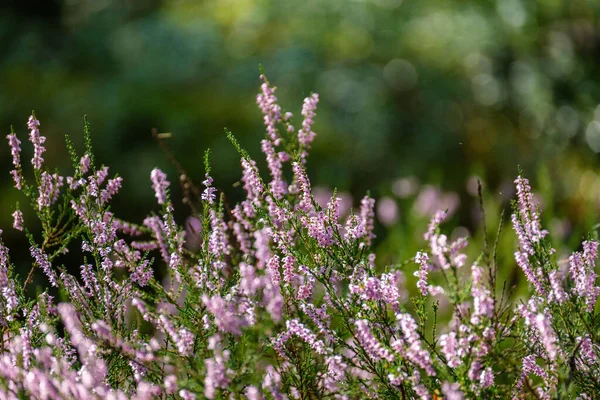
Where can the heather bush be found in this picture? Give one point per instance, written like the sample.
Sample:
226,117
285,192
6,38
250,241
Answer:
277,297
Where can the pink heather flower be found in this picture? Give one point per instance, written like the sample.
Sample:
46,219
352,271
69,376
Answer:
530,367
547,335
582,272
227,317
370,344
84,164
413,351
142,273
528,227
112,187
26,350
523,262
373,289
159,184
288,268
319,317
49,189
7,286
449,346
15,149
267,102
252,182
319,228
336,371
483,304
278,186
452,391
218,245
333,210
38,142
18,220
557,292
89,281
305,291
273,268
367,217
306,135
16,178
486,379
296,328
156,226
216,374
422,259
182,338
354,228
304,186
588,352
435,222
209,193
42,260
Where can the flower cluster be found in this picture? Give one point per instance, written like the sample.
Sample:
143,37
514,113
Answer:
280,297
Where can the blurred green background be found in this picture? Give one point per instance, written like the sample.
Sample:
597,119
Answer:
418,98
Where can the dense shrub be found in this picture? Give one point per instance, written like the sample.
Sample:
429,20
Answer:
277,297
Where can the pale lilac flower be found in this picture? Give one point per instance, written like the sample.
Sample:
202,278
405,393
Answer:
252,183
305,290
296,328
589,353
412,343
354,228
532,276
267,102
556,285
528,211
288,268
422,259
112,187
304,186
367,217
218,245
306,135
84,164
42,260
38,142
319,228
449,347
273,268
278,186
209,193
486,379
15,149
226,315
547,335
452,391
49,189
7,285
160,184
16,178
582,272
18,220
530,367
483,304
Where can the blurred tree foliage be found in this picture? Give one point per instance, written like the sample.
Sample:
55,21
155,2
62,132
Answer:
439,90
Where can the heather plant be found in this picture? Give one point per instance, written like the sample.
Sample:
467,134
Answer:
281,298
